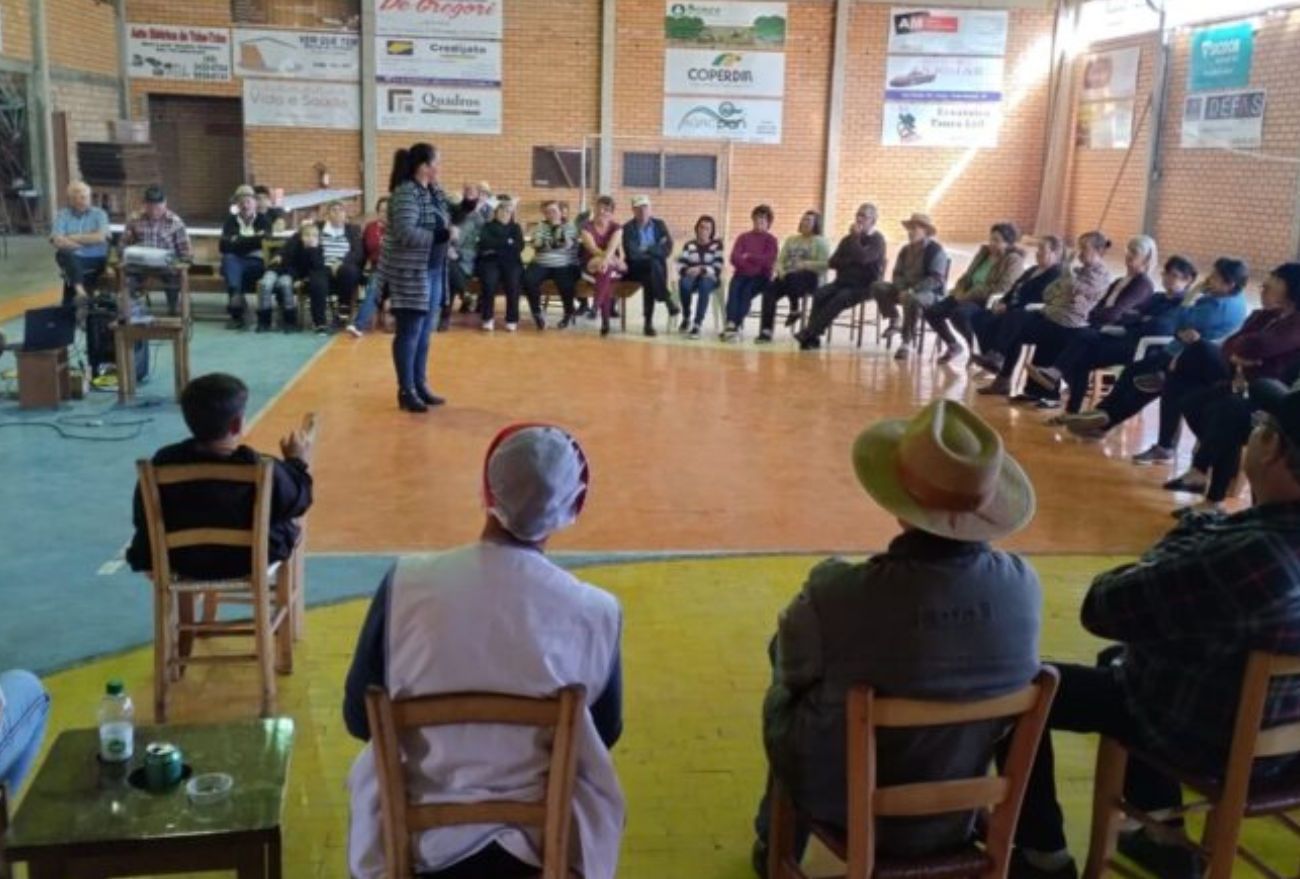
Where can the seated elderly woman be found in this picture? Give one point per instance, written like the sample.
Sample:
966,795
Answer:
1216,313
1067,305
1113,344
995,268
495,616
803,259
998,324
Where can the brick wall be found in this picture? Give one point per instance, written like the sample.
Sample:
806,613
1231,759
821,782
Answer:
1216,203
89,108
81,35
1114,175
17,36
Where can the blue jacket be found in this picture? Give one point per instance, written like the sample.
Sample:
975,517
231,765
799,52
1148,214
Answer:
1214,317
1158,316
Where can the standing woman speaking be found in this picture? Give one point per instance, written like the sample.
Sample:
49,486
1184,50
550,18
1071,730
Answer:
413,265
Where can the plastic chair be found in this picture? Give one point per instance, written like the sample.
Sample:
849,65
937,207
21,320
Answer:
402,820
1001,794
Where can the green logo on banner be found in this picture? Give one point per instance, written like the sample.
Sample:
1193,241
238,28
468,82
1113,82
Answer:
1221,57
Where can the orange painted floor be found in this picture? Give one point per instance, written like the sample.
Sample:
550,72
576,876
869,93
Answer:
695,446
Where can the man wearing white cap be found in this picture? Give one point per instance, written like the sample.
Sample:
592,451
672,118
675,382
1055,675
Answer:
496,616
940,614
647,243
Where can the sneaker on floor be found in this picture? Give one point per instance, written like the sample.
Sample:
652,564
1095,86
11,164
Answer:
1019,867
649,331
511,327
1159,859
1150,383
1047,404
763,337
1157,454
694,333
354,332
987,362
1187,483
539,322
1046,376
792,318
322,330
904,351
951,354
1089,421
685,325
564,322
487,326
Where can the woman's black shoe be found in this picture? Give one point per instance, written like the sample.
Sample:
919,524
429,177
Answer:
429,397
409,401
604,325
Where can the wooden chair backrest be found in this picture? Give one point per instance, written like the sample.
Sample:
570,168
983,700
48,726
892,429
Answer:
402,818
161,539
1250,741
1002,794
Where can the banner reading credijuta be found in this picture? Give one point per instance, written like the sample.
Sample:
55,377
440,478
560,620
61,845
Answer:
425,61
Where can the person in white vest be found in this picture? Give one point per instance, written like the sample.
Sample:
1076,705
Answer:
495,616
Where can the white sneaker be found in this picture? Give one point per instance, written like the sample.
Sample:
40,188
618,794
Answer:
510,328
488,326
354,332
903,352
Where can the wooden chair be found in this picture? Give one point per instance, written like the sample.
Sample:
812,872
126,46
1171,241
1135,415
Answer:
269,589
402,818
1228,799
1000,794
175,330
622,291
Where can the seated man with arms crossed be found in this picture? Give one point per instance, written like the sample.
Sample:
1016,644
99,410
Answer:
213,406
940,615
1187,614
495,616
858,262
80,240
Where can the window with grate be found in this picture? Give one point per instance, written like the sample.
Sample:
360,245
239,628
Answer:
642,170
560,168
690,172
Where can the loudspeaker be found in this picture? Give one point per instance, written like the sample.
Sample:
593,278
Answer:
100,349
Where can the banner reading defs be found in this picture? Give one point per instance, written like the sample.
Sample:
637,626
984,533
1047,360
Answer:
750,121
724,72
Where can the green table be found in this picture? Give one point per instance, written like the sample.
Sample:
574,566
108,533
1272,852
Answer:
79,820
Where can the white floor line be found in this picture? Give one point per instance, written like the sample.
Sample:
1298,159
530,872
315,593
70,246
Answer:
270,404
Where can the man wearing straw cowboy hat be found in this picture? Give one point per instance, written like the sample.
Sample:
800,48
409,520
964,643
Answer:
920,273
940,614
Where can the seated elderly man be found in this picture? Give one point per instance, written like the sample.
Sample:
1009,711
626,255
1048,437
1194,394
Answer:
159,230
24,712
940,615
242,264
920,273
80,239
496,616
647,244
858,263
213,406
1187,614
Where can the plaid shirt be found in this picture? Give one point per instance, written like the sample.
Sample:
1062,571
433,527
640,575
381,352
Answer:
167,232
1189,611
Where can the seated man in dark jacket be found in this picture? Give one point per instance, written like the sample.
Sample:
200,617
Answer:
647,244
242,235
858,262
940,615
1003,320
1188,613
213,406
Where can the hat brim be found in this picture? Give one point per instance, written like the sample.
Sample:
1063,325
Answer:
928,227
875,461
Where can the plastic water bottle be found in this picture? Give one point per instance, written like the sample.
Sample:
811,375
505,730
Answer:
116,724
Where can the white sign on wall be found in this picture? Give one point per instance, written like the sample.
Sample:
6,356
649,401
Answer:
1224,120
312,55
424,61
934,78
725,72
741,119
725,24
1111,75
301,104
462,19
446,109
1105,125
165,51
941,124
945,31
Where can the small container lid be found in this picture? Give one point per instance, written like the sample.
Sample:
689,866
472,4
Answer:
211,787
115,687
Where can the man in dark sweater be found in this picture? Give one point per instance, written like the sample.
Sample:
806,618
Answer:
213,406
858,261
647,244
241,251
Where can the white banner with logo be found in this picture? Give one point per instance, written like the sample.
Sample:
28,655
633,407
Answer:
941,124
444,109
1105,125
167,51
944,31
931,78
270,103
460,19
724,24
730,72
748,120
424,61
312,55
1111,75
1224,120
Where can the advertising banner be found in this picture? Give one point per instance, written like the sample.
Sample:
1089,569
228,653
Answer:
750,121
312,55
941,124
300,104
723,24
445,109
1221,57
1105,125
1227,120
333,14
1111,75
929,78
730,72
459,19
945,31
423,61
166,51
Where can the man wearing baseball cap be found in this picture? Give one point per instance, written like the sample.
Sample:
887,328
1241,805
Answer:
647,243
157,227
496,616
940,614
1187,614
